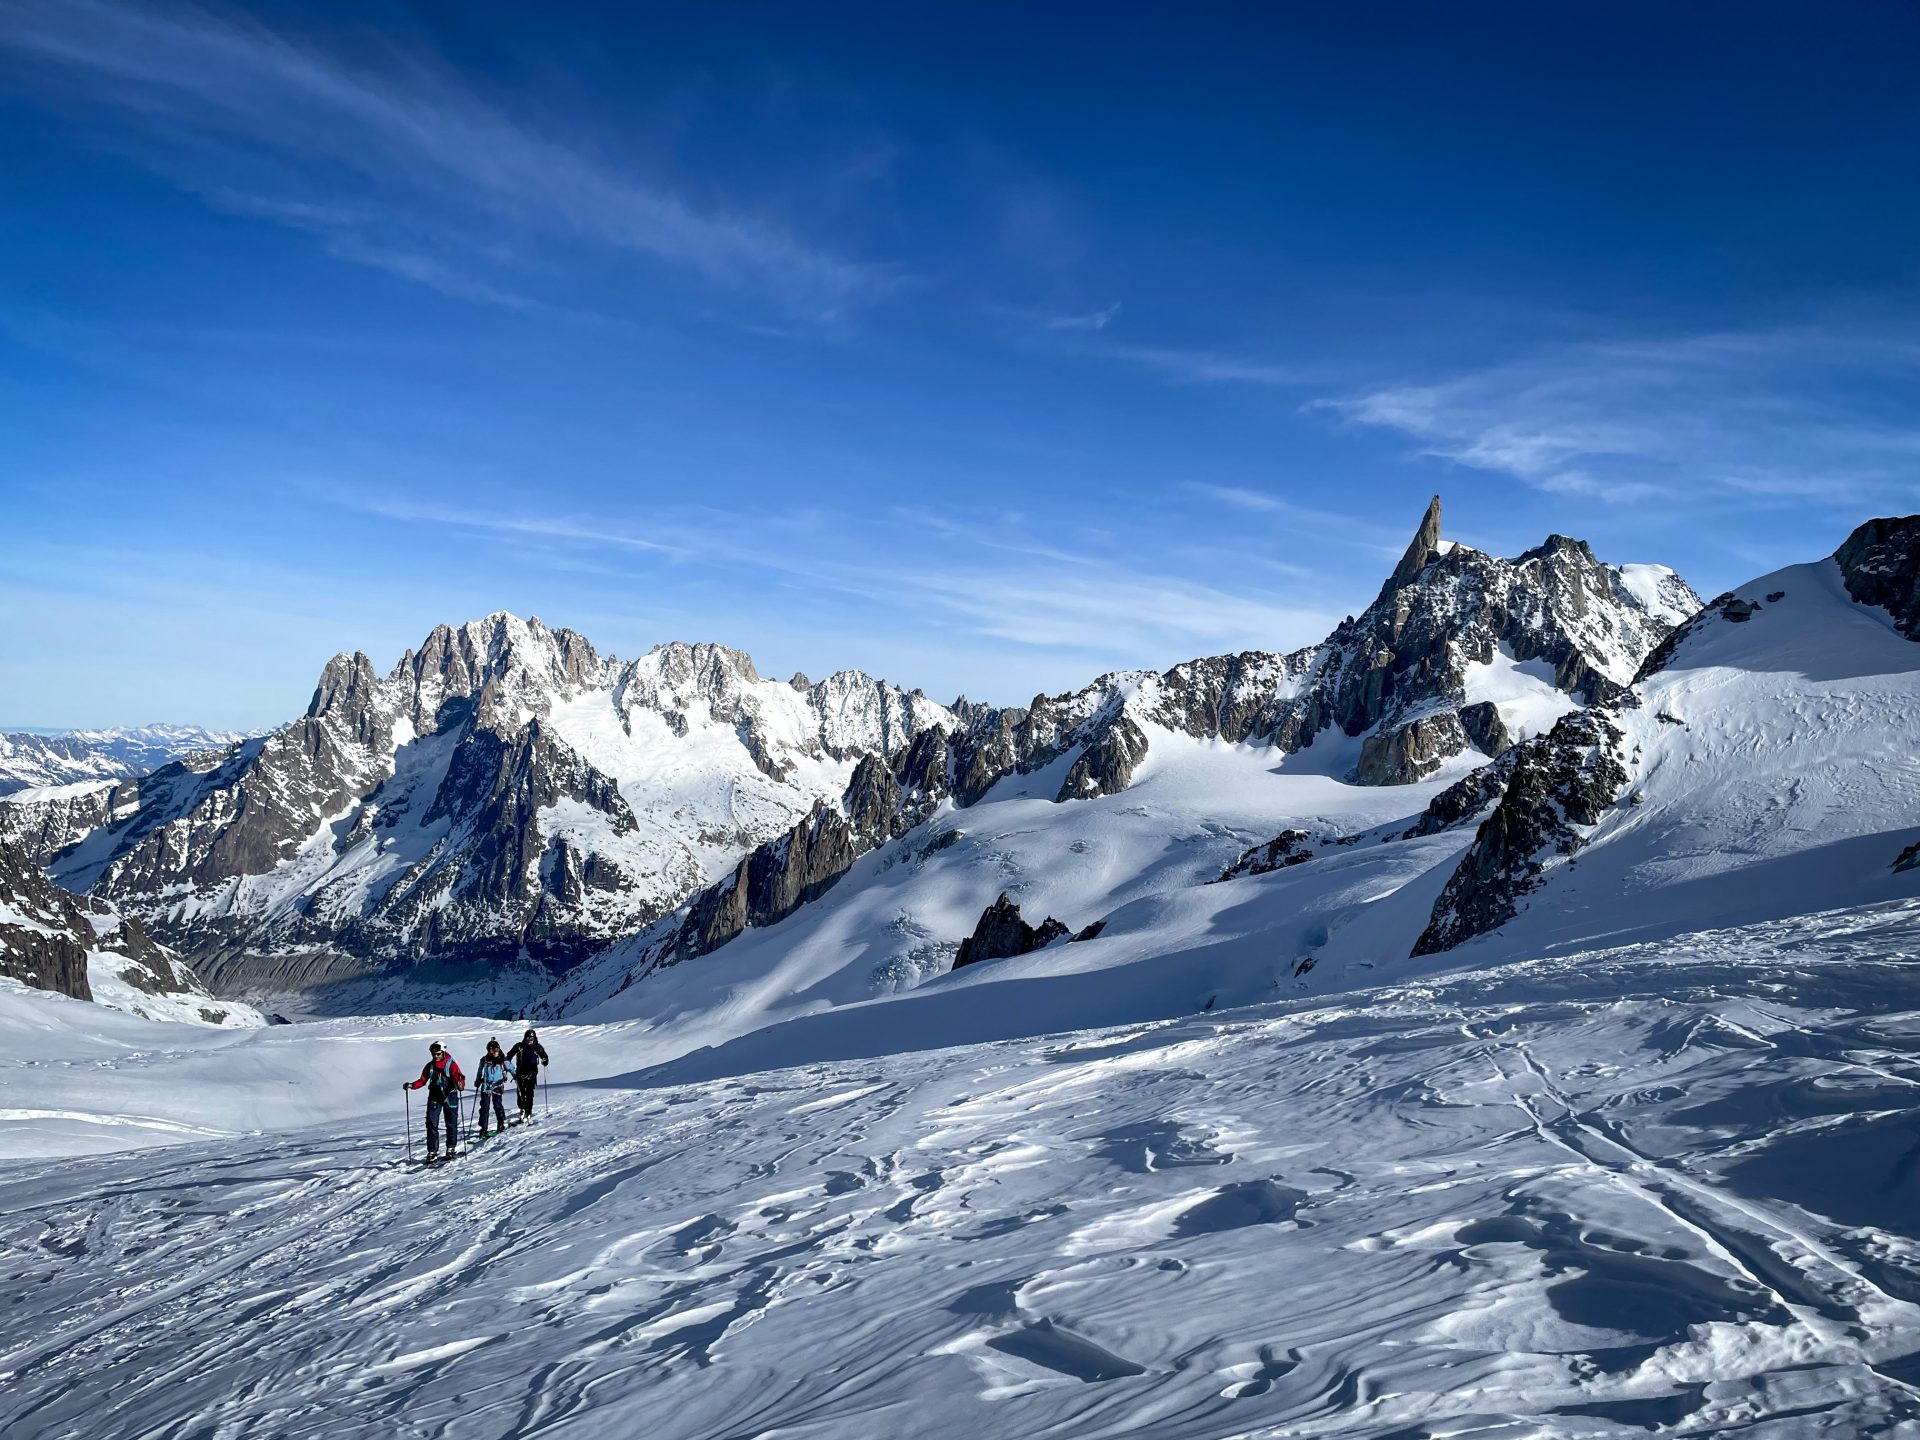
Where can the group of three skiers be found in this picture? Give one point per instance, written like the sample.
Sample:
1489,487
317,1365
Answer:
443,1081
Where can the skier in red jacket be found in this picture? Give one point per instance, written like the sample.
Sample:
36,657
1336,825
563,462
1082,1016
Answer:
441,1075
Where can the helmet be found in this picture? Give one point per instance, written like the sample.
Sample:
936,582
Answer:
436,1046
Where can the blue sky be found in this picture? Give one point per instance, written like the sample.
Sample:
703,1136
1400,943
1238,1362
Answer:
982,347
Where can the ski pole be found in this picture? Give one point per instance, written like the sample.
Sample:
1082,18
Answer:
407,1095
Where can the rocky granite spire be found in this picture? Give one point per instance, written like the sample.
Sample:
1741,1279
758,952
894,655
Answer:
1425,547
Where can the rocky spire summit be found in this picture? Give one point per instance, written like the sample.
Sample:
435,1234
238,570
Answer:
1425,546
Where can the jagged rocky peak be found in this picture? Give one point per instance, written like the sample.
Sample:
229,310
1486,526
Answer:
1456,629
510,668
505,792
840,718
1003,933
515,667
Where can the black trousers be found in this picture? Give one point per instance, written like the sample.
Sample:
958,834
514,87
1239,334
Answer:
524,1084
447,1115
491,1098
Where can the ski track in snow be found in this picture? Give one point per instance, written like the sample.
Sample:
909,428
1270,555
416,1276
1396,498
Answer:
1655,1188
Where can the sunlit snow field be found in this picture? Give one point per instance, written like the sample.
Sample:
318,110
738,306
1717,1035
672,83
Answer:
1665,1185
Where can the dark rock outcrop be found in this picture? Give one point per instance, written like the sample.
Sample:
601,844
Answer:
1880,562
1421,551
1399,670
1106,766
44,936
1556,785
1410,752
1465,798
50,936
1287,848
439,815
1003,932
1485,729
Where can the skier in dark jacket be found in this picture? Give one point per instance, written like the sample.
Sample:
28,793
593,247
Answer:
527,1057
489,1083
441,1075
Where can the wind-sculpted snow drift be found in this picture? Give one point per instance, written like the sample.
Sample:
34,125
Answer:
1657,1188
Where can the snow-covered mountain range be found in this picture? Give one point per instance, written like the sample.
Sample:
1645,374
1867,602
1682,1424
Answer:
28,759
506,803
505,799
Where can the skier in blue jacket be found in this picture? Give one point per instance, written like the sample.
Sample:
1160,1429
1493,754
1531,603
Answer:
490,1084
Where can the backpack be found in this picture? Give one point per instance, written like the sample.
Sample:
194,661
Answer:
443,1079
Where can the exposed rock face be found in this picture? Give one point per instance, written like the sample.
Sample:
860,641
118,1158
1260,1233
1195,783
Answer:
504,792
54,940
1485,729
1106,766
1556,786
507,793
44,821
75,756
1880,562
1289,847
44,937
1412,751
1465,798
1003,933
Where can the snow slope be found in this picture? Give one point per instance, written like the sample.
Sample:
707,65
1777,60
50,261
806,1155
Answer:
1139,860
1775,767
1657,1187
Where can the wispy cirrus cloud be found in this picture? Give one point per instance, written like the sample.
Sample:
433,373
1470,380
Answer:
1211,367
1772,416
960,576
1088,320
396,165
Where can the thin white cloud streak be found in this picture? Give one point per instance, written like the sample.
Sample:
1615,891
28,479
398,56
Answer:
512,526
1045,598
1092,320
1320,524
1211,367
1780,416
410,134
